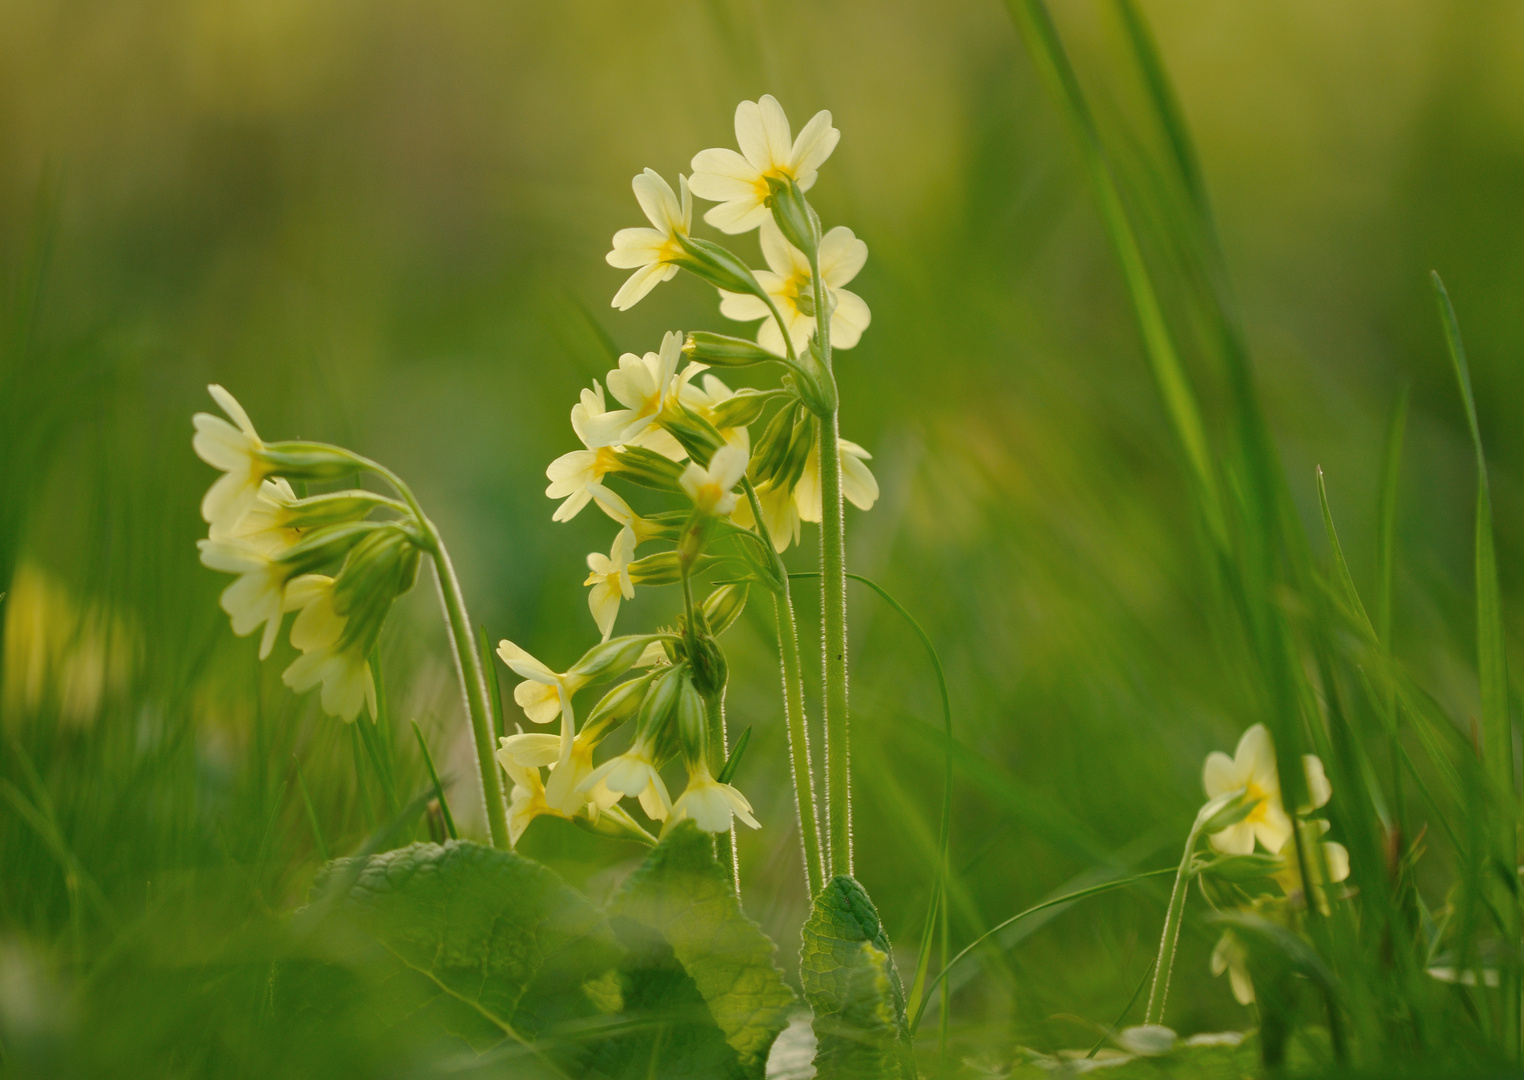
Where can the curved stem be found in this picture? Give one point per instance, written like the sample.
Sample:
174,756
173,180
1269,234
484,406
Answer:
1164,966
793,707
468,667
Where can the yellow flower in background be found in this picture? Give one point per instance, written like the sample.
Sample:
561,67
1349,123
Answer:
780,513
652,253
258,596
341,666
1324,857
710,804
858,484
609,575
712,489
236,450
789,283
1230,956
1251,768
738,182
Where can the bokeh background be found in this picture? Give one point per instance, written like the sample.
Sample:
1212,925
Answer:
383,224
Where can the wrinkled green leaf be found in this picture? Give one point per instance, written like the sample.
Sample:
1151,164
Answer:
853,988
698,964
486,946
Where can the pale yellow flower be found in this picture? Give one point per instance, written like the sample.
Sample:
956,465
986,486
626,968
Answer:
789,283
652,253
609,575
571,474
1323,856
257,597
710,804
327,656
858,484
237,451
738,182
266,524
1252,769
569,789
527,799
616,508
647,386
544,692
712,489
1230,956
633,773
780,513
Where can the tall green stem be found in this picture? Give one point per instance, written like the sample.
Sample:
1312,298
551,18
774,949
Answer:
468,668
1165,965
833,592
793,706
473,684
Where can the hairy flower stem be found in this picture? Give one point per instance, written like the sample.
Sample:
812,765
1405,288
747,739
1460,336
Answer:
468,668
1165,965
833,591
725,842
793,706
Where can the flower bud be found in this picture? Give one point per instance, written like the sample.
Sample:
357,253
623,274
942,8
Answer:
659,569
797,456
772,448
742,408
795,217
309,460
719,267
696,435
333,508
619,704
646,468
660,700
724,606
608,659
692,724
615,823
375,570
326,545
721,350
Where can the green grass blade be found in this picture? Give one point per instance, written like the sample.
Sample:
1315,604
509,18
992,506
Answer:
312,817
1491,662
1041,36
494,694
444,804
1067,898
1386,515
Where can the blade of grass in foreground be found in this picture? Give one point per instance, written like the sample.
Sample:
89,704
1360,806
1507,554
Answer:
1492,670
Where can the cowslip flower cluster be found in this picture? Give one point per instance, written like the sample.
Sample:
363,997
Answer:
739,470
1252,771
322,557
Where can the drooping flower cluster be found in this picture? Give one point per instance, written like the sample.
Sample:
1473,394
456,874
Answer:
322,557
1252,770
665,422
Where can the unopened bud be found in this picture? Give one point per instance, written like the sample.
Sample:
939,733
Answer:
742,408
724,606
796,220
309,460
721,350
647,468
619,704
326,545
609,659
659,702
719,267
692,724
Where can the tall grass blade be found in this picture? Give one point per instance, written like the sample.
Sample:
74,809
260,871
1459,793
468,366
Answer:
439,792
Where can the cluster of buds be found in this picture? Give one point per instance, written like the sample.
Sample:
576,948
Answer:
324,556
666,423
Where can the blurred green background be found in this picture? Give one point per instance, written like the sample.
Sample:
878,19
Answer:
383,224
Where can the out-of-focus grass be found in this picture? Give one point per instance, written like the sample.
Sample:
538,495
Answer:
383,225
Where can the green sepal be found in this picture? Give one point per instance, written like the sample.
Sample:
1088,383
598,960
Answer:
309,460
722,350
647,468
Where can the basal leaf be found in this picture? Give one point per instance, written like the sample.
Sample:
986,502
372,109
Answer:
853,988
679,915
486,946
